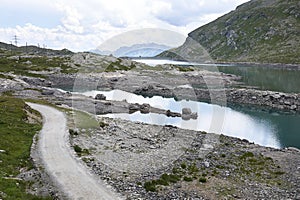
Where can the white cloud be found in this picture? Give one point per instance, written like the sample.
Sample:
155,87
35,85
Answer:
71,19
84,25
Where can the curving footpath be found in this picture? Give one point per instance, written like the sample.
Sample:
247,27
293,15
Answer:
72,177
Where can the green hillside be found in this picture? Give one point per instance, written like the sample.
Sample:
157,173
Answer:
265,31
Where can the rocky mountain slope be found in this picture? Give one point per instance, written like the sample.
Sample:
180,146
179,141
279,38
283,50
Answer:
264,31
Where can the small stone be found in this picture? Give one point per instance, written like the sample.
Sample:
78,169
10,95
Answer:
293,107
145,108
206,164
254,97
227,173
47,92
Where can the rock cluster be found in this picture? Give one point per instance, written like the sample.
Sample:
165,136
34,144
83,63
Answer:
100,97
154,90
276,100
187,114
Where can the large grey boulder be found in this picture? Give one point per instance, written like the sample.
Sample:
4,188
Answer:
187,114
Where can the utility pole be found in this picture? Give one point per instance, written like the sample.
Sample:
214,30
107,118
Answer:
44,47
11,45
26,49
16,40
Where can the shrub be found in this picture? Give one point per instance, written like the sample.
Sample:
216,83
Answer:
73,132
202,180
170,178
187,178
102,124
150,186
247,155
193,168
77,149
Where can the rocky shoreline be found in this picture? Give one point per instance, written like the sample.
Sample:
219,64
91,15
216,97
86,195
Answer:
289,102
207,166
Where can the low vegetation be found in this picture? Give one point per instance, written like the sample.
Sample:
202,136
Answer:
184,172
29,65
16,135
234,166
83,120
117,66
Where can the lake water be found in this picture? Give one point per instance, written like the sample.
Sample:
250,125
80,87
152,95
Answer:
264,128
266,78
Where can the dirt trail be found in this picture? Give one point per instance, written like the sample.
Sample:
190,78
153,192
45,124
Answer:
70,175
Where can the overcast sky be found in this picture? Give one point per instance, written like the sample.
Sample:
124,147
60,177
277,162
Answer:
85,24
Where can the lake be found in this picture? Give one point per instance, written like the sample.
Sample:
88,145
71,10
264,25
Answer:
265,128
265,78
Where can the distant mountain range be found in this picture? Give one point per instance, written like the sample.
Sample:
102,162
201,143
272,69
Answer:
136,50
264,31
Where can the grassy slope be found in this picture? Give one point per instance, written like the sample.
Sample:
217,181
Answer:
23,66
265,31
16,139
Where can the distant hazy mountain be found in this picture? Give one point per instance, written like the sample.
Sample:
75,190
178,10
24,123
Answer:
136,50
265,31
97,51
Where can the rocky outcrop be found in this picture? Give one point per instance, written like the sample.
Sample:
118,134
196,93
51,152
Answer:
187,114
100,97
154,90
277,100
37,81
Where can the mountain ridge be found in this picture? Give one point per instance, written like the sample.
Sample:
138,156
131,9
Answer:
135,50
264,31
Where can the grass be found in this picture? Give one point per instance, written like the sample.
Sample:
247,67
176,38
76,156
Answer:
15,138
116,66
23,66
84,120
184,69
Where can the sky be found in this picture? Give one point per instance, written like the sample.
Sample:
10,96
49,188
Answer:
81,25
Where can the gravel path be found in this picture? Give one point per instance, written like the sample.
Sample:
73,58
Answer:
70,175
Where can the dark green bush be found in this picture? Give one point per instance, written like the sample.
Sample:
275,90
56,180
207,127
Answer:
77,149
150,186
73,132
202,180
187,178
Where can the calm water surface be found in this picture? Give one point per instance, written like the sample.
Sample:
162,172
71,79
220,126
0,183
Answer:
264,128
265,78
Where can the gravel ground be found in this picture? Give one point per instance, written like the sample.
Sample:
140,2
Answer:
127,155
